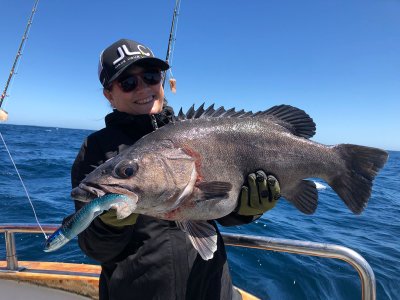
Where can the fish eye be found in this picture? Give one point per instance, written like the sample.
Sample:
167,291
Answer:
125,169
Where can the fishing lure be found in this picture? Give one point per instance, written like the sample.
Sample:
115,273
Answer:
83,217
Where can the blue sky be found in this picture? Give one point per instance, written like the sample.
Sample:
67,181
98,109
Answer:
337,60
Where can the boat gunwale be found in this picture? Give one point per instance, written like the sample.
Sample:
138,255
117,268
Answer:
367,276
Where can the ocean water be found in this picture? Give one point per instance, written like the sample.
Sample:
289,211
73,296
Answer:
44,157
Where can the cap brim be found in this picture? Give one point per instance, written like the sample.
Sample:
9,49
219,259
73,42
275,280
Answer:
143,62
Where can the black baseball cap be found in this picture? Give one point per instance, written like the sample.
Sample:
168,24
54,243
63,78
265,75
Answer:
115,59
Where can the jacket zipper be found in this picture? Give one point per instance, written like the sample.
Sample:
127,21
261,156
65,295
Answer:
154,122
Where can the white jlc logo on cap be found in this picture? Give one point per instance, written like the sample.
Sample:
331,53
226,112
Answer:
123,50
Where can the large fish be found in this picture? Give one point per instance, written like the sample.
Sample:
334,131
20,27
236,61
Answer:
192,170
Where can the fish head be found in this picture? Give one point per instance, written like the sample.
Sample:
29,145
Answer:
55,241
159,175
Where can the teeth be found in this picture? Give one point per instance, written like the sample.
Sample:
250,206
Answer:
145,100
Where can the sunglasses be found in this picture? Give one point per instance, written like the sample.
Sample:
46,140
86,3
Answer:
130,82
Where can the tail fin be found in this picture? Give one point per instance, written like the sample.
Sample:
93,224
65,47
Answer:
355,184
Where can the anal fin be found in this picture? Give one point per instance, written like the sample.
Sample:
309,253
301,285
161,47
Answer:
202,235
305,197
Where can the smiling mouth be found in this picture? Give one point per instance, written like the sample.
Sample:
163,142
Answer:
145,100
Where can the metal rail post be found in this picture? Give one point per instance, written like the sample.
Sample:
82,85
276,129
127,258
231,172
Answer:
11,253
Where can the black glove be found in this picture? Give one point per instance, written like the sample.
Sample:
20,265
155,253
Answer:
259,196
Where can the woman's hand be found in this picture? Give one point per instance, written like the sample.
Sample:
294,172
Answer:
259,195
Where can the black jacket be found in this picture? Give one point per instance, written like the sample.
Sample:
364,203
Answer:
152,259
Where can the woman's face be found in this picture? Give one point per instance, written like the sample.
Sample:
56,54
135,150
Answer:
145,98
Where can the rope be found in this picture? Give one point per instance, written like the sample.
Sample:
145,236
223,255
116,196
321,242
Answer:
23,185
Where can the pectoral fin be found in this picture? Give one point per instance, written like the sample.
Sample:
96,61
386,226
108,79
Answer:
202,235
214,189
304,196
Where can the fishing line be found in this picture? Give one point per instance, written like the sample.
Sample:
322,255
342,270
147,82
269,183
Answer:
23,185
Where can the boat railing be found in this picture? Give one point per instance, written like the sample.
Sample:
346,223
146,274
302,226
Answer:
367,277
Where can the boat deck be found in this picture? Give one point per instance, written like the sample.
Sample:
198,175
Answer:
76,278
18,290
54,280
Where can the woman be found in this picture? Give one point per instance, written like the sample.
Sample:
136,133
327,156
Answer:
143,257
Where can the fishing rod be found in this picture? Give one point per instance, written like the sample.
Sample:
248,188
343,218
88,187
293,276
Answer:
3,113
171,44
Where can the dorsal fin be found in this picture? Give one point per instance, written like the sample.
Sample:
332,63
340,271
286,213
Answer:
190,113
209,111
297,121
294,119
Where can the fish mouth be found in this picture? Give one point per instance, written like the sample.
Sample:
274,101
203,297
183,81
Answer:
88,191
